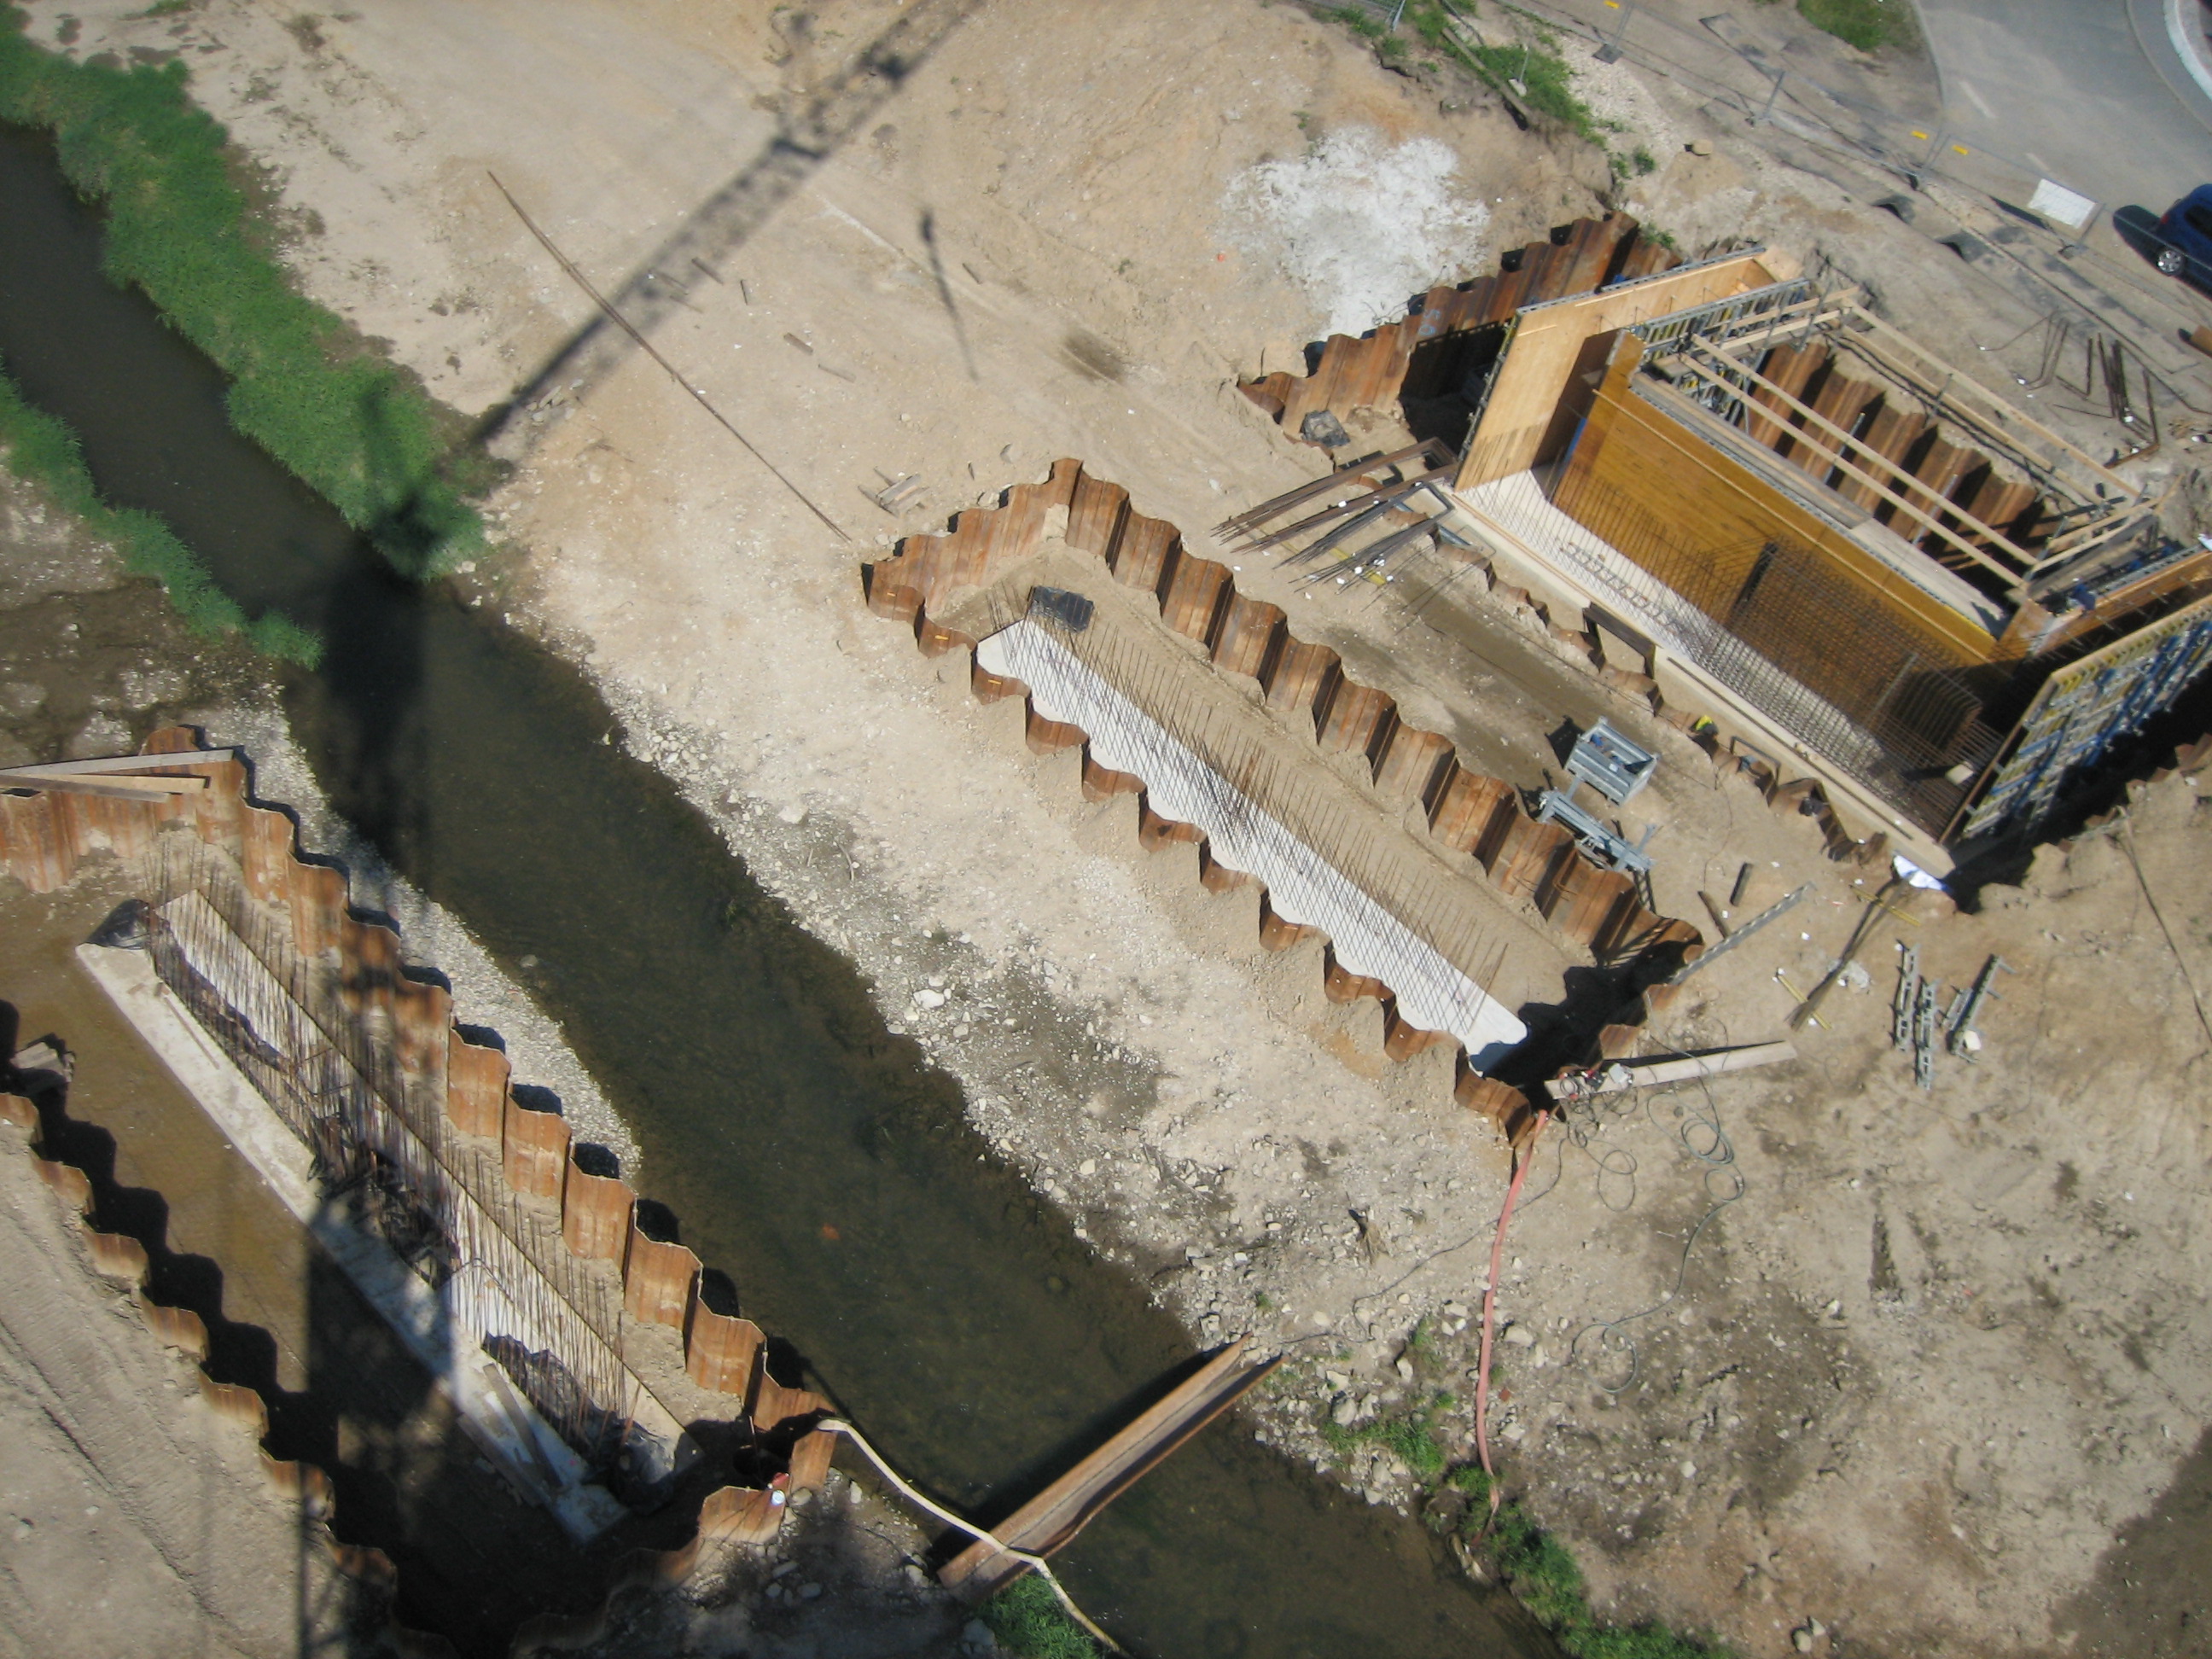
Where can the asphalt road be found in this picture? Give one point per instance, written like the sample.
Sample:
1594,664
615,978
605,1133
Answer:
2091,93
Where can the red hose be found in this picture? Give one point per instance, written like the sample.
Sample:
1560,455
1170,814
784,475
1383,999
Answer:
1522,1160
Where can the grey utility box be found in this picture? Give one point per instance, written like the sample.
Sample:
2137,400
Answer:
1610,764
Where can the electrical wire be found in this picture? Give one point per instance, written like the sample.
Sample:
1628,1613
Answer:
1490,1313
1034,1563
1705,1142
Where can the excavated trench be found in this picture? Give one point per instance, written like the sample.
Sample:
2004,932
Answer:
813,1155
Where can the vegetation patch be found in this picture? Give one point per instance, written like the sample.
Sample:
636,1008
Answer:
1544,1579
43,450
1027,1617
1410,1438
1530,70
1869,25
361,431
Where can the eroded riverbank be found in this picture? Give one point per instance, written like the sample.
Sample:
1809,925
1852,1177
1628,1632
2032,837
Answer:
911,832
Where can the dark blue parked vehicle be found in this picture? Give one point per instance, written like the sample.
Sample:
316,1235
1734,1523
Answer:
2185,230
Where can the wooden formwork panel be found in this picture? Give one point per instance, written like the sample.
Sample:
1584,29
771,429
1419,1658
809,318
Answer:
1192,592
534,1151
475,1088
1348,714
1248,633
595,1215
1468,806
1407,768
719,1351
658,1280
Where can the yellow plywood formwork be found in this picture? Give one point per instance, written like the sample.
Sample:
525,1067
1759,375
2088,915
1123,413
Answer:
1553,345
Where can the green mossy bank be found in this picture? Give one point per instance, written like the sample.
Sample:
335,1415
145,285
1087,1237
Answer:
360,432
36,447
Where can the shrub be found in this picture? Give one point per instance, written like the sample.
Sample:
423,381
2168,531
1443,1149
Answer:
1027,1617
1869,25
1545,1580
360,432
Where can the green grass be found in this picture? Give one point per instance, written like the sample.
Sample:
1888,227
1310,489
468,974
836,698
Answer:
360,432
1410,1436
1545,1580
1869,25
1027,1617
42,449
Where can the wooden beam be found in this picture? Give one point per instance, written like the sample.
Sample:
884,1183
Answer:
1899,501
1055,1515
2004,412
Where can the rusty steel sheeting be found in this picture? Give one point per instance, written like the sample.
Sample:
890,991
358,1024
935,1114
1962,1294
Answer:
1469,812
432,1113
1371,371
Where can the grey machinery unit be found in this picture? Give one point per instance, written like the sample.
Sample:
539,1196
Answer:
1617,768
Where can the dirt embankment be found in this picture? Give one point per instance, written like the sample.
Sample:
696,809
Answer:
1043,238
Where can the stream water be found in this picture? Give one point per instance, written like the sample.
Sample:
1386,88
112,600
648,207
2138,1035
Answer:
807,1151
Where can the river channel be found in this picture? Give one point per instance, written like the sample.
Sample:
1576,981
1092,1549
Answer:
807,1151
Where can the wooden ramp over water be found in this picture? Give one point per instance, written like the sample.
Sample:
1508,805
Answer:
1055,1515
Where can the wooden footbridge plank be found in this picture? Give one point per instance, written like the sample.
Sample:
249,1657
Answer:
1063,1510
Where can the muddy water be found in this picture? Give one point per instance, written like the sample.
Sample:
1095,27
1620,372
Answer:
808,1152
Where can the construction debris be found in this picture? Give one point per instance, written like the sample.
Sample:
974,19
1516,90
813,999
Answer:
1682,1068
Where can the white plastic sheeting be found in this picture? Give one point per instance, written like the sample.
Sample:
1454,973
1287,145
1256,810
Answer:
1302,887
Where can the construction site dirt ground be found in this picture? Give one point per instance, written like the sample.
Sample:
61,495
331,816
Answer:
1936,1378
